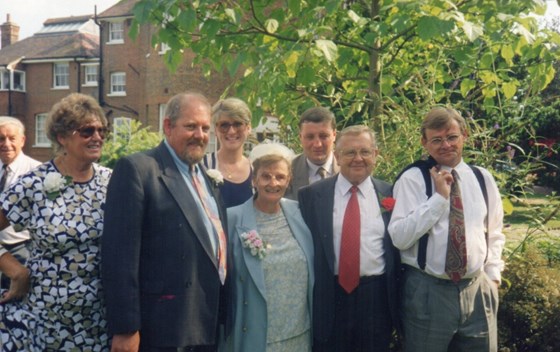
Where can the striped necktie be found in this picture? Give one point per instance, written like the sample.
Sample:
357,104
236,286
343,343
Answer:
215,218
4,177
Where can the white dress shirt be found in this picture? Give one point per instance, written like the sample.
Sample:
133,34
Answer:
313,169
414,215
21,165
372,227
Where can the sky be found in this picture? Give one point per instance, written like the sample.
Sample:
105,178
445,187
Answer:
30,14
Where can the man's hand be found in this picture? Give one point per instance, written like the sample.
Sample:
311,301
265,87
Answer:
19,276
126,342
442,181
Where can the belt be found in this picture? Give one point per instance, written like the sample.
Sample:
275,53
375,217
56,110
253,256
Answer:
441,281
14,245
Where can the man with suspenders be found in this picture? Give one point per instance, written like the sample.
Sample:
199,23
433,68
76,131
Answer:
448,227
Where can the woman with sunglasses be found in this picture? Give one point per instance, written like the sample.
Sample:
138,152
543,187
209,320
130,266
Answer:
61,204
232,122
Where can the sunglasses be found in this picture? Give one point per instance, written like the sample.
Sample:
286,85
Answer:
225,126
89,131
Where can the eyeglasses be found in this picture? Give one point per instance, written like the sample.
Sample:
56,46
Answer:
225,126
451,140
352,153
88,131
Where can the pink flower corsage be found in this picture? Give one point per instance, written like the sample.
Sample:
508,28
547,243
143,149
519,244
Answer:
254,243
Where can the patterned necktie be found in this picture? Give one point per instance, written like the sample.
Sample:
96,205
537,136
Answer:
349,261
456,259
322,172
214,217
4,177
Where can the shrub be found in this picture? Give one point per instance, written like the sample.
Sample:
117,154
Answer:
130,139
528,316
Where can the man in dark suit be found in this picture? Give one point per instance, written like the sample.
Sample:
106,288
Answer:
317,132
162,256
360,316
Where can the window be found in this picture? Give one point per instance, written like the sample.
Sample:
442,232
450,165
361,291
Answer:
122,128
5,79
17,79
162,108
61,75
116,32
41,139
118,83
90,75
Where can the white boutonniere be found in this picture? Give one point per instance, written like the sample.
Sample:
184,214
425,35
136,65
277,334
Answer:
54,182
216,176
255,244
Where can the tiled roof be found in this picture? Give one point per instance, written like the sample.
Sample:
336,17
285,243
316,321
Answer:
122,9
52,46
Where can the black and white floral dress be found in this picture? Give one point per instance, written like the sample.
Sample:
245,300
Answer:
64,310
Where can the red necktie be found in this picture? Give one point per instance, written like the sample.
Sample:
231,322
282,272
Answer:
456,259
349,261
214,217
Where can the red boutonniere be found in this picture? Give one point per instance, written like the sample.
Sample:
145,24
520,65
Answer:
388,203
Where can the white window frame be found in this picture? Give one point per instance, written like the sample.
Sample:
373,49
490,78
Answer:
162,108
7,80
118,84
91,75
61,80
116,32
21,86
122,128
41,139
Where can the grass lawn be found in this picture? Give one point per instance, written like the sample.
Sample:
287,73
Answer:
527,213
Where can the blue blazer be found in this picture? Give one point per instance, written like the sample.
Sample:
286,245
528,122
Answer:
248,308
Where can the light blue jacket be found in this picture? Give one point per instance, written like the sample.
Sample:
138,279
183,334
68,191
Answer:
248,301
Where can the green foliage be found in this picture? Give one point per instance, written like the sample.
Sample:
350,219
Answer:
126,141
353,56
530,304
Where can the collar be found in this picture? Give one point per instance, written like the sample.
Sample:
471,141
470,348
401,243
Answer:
327,165
459,168
343,186
14,164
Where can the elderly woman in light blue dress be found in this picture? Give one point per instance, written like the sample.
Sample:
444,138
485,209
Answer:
272,250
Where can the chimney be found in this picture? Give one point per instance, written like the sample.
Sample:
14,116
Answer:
10,32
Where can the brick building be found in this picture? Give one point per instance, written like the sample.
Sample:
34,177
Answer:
92,55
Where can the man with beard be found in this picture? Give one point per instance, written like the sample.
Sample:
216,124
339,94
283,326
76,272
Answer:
164,247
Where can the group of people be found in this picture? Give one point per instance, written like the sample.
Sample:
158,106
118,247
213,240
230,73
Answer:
179,250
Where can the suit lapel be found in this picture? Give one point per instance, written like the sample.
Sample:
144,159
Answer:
253,263
175,183
324,206
382,190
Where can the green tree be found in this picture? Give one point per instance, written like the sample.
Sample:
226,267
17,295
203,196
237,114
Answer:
383,62
352,55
